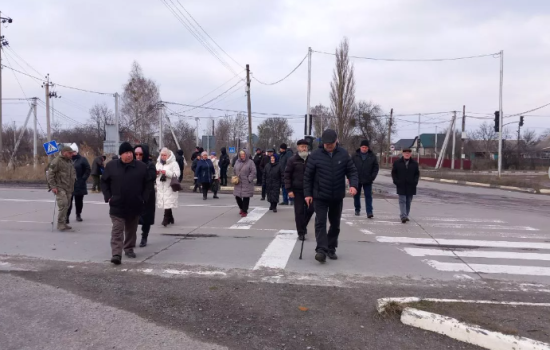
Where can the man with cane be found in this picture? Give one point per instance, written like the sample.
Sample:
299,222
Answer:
294,184
325,182
61,179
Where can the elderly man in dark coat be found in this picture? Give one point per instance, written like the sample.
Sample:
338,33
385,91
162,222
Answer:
147,218
83,170
405,175
124,186
97,169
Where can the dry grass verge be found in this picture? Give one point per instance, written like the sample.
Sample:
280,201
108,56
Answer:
536,182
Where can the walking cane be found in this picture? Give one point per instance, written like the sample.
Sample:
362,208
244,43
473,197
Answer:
53,217
304,239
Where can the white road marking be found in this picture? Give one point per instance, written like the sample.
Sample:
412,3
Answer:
420,219
450,225
278,252
187,272
464,242
367,232
463,277
486,268
252,217
477,254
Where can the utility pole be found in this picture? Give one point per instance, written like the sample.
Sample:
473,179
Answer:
52,95
418,140
249,107
435,146
17,140
500,112
197,130
3,43
160,108
454,141
14,133
117,136
308,120
35,135
388,150
463,138
47,86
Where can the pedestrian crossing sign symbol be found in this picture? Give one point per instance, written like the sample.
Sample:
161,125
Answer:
232,150
51,147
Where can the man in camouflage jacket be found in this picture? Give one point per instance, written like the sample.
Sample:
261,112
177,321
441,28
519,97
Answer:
61,179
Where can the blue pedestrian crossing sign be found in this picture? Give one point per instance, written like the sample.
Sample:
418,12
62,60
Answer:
232,150
51,147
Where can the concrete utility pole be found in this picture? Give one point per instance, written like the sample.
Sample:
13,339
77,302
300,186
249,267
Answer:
444,147
454,141
501,117
197,130
3,42
249,107
388,150
35,135
418,140
18,140
47,86
463,138
435,146
308,121
160,108
117,136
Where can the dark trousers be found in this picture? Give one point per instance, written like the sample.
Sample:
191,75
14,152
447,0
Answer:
327,242
367,188
97,183
263,190
223,176
302,213
123,234
205,188
259,176
145,230
79,204
181,174
197,186
285,194
243,203
273,205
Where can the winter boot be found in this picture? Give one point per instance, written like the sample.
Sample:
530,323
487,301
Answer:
78,218
143,242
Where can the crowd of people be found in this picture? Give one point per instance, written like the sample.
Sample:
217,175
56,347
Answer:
135,185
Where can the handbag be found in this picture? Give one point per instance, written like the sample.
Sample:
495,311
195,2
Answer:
175,184
235,180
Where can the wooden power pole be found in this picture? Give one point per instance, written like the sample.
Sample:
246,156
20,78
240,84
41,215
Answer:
249,107
389,137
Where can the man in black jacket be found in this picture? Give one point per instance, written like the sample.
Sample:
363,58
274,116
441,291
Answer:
97,169
294,184
405,174
257,162
325,183
284,156
180,160
224,164
367,170
196,154
265,161
83,170
124,186
147,218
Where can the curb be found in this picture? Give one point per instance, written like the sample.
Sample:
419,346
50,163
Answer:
461,331
231,188
479,184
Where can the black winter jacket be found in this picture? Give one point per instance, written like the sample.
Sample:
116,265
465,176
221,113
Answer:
325,176
405,178
83,170
124,187
367,169
284,157
272,180
258,160
98,165
294,174
149,195
224,159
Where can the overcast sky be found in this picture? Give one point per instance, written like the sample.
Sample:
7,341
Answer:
92,44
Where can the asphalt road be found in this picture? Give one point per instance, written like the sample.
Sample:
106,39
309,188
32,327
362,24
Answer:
214,280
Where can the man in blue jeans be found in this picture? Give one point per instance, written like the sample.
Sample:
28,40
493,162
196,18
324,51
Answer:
405,174
367,169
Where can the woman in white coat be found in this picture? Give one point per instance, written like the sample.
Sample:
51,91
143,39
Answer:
167,199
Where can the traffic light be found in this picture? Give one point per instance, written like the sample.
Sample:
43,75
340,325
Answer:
497,121
521,121
309,140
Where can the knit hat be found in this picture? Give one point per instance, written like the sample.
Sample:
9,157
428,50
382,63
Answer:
125,147
66,149
283,146
329,136
212,153
365,143
302,142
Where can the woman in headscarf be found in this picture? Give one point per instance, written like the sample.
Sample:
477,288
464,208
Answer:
148,217
167,199
245,170
272,180
205,173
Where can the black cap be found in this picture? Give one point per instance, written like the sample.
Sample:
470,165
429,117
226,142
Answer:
302,142
407,149
365,143
329,136
125,147
283,146
271,150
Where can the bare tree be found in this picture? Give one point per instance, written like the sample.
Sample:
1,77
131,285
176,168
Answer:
100,115
273,132
139,112
239,127
223,132
342,95
487,136
321,119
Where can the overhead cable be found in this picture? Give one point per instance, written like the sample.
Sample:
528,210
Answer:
289,74
494,55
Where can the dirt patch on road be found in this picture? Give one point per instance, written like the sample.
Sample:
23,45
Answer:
525,321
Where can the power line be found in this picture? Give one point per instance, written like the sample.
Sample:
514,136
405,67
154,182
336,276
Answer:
234,111
494,55
529,111
16,78
31,67
58,113
207,102
289,74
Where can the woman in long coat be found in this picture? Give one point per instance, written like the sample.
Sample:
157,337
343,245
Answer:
245,170
205,173
148,217
167,199
272,180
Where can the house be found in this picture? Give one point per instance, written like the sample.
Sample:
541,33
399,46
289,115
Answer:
428,144
400,145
